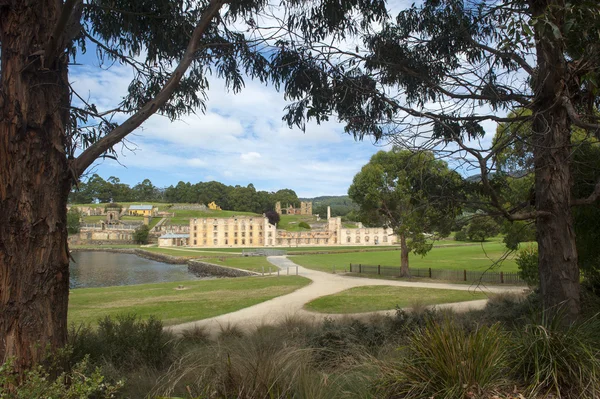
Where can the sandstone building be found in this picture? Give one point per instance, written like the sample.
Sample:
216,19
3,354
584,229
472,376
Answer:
252,232
305,209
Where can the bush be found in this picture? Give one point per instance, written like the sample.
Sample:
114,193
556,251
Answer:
527,261
304,225
445,361
481,228
558,360
126,342
140,235
73,221
461,235
81,382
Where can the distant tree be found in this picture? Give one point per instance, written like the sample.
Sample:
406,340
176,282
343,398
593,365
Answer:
273,217
287,197
482,228
140,235
412,193
73,220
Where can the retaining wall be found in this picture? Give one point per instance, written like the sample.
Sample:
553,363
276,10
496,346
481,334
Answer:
209,269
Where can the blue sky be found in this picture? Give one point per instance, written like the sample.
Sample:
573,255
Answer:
240,139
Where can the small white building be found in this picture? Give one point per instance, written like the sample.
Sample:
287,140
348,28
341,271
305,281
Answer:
173,240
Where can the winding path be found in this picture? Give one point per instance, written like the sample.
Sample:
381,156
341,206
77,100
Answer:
277,309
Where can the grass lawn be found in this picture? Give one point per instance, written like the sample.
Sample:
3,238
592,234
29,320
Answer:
290,222
470,257
374,298
200,299
252,263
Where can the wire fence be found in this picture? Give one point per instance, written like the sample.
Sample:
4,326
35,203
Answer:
491,277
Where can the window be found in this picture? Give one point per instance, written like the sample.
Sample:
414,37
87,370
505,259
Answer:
235,241
215,242
215,227
367,239
307,241
250,227
204,242
226,234
250,241
270,234
204,234
376,240
349,239
347,231
194,242
243,242
195,235
260,233
250,234
243,234
270,242
195,228
235,234
226,241
204,221
357,239
384,238
215,234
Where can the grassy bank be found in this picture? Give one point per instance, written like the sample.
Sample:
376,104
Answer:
470,257
375,298
199,300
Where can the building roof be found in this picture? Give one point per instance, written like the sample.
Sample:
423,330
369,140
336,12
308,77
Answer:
174,235
140,207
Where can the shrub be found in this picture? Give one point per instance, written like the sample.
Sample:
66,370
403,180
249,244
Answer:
461,235
81,382
304,225
140,235
481,228
126,341
556,359
527,261
73,223
444,361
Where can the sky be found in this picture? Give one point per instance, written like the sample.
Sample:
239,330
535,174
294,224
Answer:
240,139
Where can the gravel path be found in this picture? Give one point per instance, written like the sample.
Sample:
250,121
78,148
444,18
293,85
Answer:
277,309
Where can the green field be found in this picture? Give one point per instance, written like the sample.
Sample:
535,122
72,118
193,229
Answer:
199,300
469,257
374,298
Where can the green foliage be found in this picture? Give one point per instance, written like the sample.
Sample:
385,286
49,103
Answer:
461,235
481,228
411,192
517,232
557,359
304,225
73,220
82,382
140,235
444,361
527,261
126,341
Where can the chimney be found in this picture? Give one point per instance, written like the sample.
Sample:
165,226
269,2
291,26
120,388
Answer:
328,212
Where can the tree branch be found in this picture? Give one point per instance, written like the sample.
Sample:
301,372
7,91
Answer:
519,60
54,43
593,197
575,118
80,164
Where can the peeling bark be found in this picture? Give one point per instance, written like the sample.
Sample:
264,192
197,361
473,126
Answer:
34,185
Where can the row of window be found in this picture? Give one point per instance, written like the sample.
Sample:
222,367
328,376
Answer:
230,242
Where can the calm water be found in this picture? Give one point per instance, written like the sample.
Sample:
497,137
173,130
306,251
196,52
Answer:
103,269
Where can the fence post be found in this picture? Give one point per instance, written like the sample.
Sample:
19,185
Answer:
501,277
277,272
288,270
296,270
263,271
359,268
333,269
378,269
350,267
465,274
430,272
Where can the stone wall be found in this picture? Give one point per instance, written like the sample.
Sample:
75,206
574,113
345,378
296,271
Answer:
200,268
173,260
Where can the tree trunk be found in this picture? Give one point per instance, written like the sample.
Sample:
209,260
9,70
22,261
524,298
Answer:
558,268
34,185
404,272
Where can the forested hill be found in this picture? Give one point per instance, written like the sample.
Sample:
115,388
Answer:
340,205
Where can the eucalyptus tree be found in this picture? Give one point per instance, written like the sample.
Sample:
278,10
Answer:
440,72
50,134
411,192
